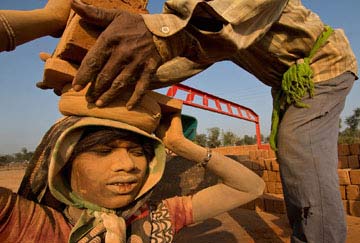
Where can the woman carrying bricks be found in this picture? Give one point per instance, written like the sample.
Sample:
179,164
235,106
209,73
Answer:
92,175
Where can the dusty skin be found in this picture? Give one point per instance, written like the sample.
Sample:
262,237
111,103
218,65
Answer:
238,225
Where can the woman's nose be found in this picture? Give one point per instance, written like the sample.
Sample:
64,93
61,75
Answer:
122,161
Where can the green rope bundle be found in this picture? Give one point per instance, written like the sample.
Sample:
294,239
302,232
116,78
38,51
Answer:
296,83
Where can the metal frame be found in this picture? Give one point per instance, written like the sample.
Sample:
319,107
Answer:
232,109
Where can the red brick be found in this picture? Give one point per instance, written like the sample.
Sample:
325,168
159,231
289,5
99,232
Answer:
344,178
274,165
353,161
354,208
343,162
354,149
264,154
272,176
278,188
271,187
268,164
278,178
355,177
261,164
272,154
353,192
346,206
265,175
343,192
343,149
253,155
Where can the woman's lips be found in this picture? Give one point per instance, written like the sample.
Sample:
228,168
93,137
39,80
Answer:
123,185
122,188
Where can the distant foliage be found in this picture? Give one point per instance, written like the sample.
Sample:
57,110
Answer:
23,156
213,137
217,138
351,134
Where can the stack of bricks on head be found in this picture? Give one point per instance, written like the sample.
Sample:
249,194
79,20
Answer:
78,37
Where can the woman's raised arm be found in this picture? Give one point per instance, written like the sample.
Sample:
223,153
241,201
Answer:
239,184
18,26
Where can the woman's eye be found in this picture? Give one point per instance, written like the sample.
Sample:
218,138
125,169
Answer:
136,152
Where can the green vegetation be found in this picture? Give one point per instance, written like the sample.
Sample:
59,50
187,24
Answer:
351,134
23,156
216,138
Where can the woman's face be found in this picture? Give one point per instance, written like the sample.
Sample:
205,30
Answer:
110,175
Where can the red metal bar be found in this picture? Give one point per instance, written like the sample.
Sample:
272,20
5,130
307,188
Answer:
243,112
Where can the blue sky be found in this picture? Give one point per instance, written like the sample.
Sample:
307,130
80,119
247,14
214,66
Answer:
27,112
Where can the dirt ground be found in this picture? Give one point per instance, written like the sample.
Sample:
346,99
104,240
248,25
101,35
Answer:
239,225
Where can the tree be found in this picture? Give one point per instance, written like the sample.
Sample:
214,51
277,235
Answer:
213,137
22,156
201,139
353,121
248,140
351,133
229,138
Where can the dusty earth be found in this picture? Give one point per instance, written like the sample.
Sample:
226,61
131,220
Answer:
239,225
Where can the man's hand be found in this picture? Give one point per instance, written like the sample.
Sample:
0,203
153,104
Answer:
123,56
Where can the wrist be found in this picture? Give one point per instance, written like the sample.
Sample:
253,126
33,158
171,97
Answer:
171,46
8,43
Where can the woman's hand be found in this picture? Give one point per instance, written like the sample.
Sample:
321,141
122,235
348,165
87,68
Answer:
170,131
58,11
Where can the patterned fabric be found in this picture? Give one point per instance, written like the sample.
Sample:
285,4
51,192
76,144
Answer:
22,220
269,36
161,224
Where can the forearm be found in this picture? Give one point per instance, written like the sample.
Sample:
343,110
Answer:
19,26
239,184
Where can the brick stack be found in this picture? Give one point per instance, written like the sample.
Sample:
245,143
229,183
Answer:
77,38
263,162
183,177
349,177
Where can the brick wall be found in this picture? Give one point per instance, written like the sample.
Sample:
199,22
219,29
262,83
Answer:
265,161
183,177
349,177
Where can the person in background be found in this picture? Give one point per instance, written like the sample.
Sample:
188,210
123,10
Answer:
310,67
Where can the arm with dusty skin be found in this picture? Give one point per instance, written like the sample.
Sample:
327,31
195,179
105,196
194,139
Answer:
18,27
239,184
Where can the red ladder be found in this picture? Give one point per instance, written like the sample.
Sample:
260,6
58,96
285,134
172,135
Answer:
232,109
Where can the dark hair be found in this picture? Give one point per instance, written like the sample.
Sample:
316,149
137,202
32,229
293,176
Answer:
94,135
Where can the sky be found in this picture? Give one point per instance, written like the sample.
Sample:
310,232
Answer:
28,112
